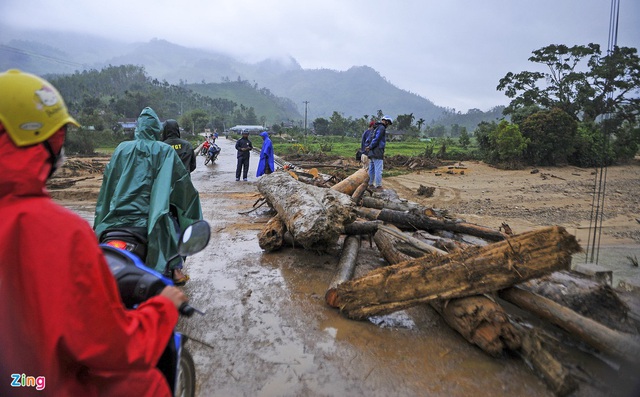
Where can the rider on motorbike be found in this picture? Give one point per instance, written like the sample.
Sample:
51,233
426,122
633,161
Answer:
62,321
146,185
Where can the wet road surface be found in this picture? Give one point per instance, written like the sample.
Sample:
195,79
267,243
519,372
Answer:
270,332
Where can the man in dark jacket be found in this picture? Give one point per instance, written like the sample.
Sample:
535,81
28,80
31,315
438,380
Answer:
375,150
171,136
364,159
243,146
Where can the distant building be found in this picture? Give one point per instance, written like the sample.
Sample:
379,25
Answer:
397,135
128,125
252,129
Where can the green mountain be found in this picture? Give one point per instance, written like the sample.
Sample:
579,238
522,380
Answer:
271,108
276,89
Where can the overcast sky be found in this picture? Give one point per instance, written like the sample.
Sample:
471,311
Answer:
452,52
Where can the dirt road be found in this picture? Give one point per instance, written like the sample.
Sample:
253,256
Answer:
269,332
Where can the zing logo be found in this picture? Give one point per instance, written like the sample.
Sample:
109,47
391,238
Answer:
22,380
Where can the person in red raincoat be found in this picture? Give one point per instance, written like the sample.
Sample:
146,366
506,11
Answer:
63,328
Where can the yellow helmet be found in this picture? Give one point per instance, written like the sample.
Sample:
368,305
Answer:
31,109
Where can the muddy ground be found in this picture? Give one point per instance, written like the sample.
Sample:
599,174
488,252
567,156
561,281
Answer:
268,332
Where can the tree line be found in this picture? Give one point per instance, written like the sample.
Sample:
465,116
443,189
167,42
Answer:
584,110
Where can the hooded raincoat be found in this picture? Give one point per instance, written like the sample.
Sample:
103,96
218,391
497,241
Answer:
171,136
266,155
61,318
144,178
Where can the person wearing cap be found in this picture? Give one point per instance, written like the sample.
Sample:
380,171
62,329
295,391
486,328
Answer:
63,322
364,159
375,150
244,147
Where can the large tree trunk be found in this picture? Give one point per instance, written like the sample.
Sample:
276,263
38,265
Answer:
314,216
271,237
480,320
598,336
362,227
351,183
555,375
407,220
470,272
346,267
586,297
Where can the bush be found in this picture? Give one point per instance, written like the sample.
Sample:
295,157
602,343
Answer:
79,142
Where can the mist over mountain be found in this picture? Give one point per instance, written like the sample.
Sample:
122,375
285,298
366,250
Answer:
356,92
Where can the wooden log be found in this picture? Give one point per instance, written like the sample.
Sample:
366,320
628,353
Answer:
351,183
346,267
604,339
585,296
387,245
480,320
407,220
362,227
391,201
314,216
271,237
357,194
412,241
555,375
398,205
470,272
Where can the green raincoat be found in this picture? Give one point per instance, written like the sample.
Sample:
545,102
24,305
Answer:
143,178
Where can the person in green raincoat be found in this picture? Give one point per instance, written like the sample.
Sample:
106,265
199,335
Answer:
146,185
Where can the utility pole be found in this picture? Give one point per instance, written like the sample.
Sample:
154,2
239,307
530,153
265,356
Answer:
305,116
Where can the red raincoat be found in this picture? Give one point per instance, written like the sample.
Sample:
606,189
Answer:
61,319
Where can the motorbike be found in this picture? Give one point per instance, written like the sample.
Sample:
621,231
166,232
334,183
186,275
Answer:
137,283
212,154
205,148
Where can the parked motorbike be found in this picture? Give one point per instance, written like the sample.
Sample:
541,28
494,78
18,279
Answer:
212,154
138,283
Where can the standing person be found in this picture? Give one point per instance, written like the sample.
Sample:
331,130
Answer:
171,136
364,159
266,164
244,147
146,185
63,322
375,150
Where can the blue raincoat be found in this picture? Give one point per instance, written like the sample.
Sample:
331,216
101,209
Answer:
266,155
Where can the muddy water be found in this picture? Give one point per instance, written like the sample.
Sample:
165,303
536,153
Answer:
268,331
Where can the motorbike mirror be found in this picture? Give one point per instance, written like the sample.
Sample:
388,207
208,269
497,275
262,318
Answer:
194,238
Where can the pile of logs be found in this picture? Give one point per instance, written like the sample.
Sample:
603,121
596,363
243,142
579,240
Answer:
466,272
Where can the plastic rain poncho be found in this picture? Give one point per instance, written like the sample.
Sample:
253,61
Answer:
144,177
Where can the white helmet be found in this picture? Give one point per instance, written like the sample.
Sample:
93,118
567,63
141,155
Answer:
389,119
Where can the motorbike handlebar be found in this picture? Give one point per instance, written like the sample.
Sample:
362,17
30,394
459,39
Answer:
187,310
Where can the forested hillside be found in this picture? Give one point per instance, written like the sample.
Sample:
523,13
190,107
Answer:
101,98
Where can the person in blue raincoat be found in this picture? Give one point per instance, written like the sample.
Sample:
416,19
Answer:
146,185
266,164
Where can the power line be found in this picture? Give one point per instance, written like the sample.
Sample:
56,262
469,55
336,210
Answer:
600,182
6,48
